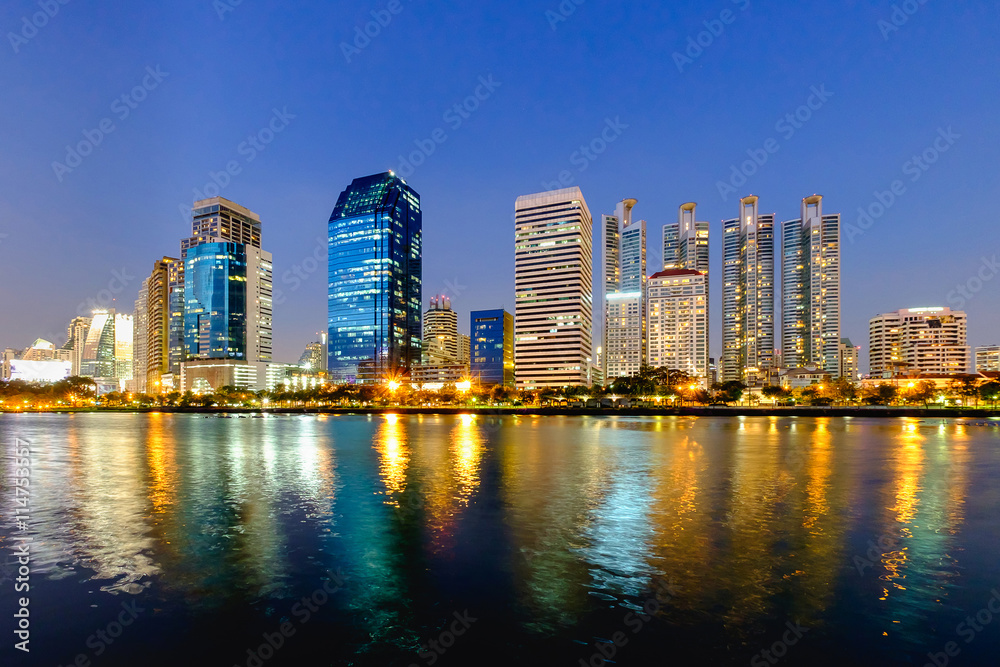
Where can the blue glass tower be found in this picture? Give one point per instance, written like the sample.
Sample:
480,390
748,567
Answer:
375,277
492,347
215,306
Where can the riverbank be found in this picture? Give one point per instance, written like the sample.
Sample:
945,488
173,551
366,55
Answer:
717,411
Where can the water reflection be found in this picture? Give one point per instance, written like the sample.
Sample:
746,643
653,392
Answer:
751,519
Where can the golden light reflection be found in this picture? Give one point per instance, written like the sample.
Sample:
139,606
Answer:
908,464
394,457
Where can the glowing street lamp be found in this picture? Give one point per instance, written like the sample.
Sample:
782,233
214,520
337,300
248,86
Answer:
393,385
464,386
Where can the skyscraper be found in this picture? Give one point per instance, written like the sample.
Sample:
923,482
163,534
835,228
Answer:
107,350
375,280
685,243
152,327
678,322
492,347
77,338
224,310
919,340
810,289
553,285
140,325
440,342
748,294
625,297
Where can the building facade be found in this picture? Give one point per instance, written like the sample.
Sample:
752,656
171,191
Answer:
441,340
919,340
850,365
988,359
685,244
748,295
492,347
553,283
624,348
810,289
375,280
678,322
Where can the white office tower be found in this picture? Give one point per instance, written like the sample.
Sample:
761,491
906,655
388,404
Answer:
810,289
677,307
553,283
748,294
685,244
441,342
988,359
930,341
625,302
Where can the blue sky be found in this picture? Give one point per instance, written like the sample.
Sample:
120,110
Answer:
224,71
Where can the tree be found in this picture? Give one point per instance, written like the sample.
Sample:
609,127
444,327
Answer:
729,392
882,394
990,392
844,390
965,386
775,392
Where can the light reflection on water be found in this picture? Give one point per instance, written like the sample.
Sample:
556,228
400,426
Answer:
557,521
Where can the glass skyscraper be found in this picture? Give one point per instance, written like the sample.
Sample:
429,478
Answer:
493,347
375,280
215,308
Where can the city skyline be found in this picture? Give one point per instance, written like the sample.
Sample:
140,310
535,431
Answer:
119,208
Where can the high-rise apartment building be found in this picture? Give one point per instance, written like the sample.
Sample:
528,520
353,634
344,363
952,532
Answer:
107,349
152,327
810,289
553,283
441,340
988,359
685,243
464,349
919,340
77,338
748,294
375,280
492,342
625,297
678,322
140,323
849,366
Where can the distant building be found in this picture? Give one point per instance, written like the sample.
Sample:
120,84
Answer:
713,372
464,349
313,359
492,354
625,300
800,378
919,340
988,359
553,285
204,376
685,243
440,340
678,322
748,294
375,280
107,350
810,289
849,366
436,376
76,338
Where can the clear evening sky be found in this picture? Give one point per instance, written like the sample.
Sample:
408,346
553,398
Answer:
200,78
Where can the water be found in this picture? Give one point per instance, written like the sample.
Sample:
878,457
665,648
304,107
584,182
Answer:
689,541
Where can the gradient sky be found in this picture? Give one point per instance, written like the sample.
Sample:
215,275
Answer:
62,242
